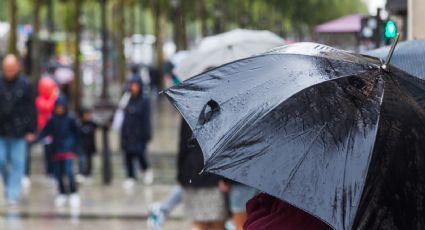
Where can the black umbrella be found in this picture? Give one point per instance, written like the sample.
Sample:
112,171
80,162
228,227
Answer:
409,56
327,131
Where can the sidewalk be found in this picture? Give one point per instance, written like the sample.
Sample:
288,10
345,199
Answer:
100,205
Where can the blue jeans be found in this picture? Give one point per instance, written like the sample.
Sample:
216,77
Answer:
61,169
13,153
172,200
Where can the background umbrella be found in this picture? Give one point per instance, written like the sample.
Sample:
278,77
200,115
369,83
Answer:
325,130
409,56
226,47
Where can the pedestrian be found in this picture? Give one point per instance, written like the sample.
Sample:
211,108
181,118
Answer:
17,125
63,127
267,212
88,142
160,211
48,92
203,200
237,195
136,133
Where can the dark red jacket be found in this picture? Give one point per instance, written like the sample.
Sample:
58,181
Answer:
267,212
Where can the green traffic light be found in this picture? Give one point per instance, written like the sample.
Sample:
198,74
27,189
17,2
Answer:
390,29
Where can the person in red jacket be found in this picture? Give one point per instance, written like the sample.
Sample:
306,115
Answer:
48,92
268,212
45,101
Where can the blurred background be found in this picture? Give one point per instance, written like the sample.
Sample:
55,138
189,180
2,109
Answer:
90,46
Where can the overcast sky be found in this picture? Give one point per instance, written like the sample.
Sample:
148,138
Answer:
374,4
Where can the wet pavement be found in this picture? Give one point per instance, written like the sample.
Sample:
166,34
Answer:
110,206
107,207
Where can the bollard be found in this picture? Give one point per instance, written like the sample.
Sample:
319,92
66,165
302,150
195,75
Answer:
106,157
103,116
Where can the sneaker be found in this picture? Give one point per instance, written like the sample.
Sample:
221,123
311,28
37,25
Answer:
60,201
26,182
148,177
128,183
74,200
156,217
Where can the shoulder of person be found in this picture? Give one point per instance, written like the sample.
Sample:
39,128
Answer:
24,81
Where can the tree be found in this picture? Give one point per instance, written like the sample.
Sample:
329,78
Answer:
35,46
120,7
179,20
77,72
13,24
202,15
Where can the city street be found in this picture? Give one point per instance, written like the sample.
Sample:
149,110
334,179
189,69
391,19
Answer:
104,207
212,115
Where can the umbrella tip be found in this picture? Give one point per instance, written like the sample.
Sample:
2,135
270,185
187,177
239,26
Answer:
202,171
384,66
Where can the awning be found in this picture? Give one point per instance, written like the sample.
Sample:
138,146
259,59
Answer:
347,24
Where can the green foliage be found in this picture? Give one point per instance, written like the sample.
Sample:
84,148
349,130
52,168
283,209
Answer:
286,15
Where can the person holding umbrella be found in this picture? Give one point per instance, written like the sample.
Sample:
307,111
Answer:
204,202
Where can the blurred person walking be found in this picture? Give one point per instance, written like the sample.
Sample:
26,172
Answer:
48,92
237,195
88,143
136,133
203,200
63,127
17,125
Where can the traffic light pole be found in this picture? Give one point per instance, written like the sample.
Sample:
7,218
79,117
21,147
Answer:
377,35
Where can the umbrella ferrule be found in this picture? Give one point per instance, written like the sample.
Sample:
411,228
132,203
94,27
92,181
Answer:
390,53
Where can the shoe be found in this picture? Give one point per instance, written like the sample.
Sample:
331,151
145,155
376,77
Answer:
156,217
148,177
60,201
74,200
128,183
26,182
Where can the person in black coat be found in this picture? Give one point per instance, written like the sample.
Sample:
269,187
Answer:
17,125
88,141
204,202
136,133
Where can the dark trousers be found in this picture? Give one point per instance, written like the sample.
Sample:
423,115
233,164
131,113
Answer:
63,169
130,158
28,162
48,163
85,164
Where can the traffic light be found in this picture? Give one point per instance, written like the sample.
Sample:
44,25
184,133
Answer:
390,29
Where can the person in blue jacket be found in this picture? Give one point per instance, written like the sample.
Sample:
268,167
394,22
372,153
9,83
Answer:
136,133
63,127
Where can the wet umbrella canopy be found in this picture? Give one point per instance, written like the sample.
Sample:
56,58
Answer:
325,130
409,56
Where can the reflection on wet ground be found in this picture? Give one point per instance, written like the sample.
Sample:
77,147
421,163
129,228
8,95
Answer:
103,207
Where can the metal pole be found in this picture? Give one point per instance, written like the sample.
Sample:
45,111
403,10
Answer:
104,96
104,106
378,32
106,157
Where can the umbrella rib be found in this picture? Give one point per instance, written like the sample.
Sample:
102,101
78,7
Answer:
345,170
295,169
